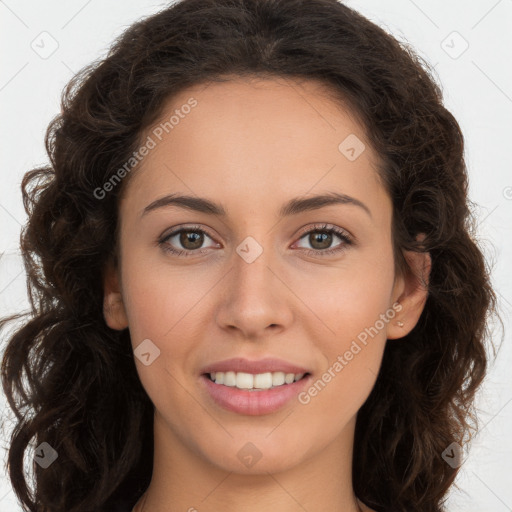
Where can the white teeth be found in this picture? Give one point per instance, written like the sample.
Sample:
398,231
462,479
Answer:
289,377
263,380
258,381
277,378
244,380
229,379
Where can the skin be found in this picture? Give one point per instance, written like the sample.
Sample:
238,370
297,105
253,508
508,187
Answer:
252,145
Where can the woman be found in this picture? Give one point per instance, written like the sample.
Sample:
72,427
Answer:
252,271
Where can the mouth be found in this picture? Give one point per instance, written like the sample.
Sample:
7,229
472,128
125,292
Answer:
254,382
253,394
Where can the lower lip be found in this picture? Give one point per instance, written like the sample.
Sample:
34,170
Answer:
253,403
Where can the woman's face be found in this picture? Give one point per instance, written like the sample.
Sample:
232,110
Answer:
248,281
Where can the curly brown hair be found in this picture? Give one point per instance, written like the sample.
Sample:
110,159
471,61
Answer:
72,381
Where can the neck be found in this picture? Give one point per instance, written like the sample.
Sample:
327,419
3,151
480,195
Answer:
186,481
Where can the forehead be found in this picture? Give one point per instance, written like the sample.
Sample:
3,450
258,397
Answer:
254,137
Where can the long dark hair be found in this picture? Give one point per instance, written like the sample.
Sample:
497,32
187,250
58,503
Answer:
72,381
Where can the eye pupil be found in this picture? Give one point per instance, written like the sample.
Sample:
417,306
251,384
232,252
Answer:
191,236
192,239
324,239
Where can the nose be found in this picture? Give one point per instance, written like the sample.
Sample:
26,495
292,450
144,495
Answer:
255,299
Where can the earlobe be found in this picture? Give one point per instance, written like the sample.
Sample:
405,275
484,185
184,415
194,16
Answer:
113,306
412,294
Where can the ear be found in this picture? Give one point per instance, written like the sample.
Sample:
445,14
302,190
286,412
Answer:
411,292
113,307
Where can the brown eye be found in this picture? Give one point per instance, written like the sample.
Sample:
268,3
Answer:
320,240
185,241
191,239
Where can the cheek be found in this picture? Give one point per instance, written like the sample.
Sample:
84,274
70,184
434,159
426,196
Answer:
161,298
355,306
164,304
153,307
159,305
350,298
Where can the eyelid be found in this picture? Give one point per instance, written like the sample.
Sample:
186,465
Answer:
184,227
325,227
343,234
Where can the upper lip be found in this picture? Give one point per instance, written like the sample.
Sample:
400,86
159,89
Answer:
239,364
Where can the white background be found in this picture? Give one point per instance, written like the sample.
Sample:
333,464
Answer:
478,89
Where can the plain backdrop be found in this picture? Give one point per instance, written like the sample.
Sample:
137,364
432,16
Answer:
470,45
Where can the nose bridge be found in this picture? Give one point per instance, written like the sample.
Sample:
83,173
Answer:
254,296
252,261
252,275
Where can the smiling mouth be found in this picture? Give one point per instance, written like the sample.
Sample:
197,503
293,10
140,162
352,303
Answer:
254,382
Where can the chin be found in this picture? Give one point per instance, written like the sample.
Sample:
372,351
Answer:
255,455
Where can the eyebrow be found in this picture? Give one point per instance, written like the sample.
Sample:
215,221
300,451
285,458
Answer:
292,207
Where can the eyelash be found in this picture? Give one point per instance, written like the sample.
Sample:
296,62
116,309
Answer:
326,228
